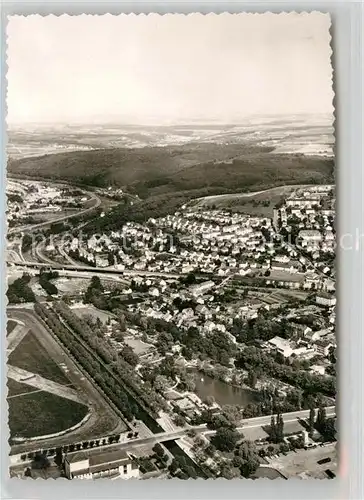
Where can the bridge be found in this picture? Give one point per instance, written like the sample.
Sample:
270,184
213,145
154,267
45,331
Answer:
161,437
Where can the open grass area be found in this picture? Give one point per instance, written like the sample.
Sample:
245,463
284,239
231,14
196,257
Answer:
260,204
92,311
268,473
138,346
10,325
42,413
15,388
32,356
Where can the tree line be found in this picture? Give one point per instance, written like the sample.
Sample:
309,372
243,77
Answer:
117,380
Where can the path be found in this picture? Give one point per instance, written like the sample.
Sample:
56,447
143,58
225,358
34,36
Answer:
16,336
44,384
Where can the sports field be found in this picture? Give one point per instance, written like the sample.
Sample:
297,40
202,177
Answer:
10,325
15,388
48,393
40,413
32,356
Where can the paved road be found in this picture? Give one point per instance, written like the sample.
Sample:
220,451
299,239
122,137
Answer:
38,249
16,336
202,429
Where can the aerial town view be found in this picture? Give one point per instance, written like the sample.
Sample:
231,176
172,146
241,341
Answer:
171,275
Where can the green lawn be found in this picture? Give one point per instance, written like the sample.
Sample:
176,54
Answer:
31,355
10,325
15,388
42,413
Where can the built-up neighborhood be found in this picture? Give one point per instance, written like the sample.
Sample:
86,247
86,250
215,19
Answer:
212,269
205,293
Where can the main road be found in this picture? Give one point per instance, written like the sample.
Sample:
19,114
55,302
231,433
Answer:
161,437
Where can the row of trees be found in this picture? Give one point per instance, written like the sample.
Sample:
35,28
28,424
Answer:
117,381
47,285
69,448
113,363
324,425
277,429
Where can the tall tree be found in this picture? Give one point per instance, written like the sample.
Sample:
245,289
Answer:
273,429
311,420
280,428
321,417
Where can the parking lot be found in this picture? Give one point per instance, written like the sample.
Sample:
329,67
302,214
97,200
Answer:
304,463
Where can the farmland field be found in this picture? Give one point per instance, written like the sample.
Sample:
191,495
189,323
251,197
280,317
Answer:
41,413
31,355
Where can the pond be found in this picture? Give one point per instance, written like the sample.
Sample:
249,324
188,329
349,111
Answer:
223,393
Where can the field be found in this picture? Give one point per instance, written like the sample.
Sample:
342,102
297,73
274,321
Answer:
53,406
71,285
260,204
92,311
10,325
32,356
268,473
137,345
305,463
15,388
41,413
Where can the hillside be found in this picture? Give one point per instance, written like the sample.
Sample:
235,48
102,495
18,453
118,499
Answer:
165,178
125,166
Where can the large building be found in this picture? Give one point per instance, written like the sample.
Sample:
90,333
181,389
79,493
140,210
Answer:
325,299
112,464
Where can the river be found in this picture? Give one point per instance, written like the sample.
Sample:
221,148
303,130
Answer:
223,393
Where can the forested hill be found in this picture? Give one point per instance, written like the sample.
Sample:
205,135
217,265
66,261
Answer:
165,178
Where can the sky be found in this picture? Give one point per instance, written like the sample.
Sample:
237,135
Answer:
167,69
